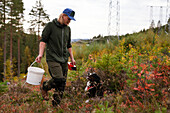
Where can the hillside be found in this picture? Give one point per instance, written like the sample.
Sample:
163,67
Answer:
99,38
134,72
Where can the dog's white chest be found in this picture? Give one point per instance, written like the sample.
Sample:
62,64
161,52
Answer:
87,86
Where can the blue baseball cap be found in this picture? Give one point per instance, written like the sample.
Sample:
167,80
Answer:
70,13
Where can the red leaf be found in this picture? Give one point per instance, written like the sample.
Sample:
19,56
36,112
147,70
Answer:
146,87
156,95
152,75
142,71
158,73
135,88
152,89
146,72
139,74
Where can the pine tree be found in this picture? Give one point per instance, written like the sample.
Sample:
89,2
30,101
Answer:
11,5
19,16
4,9
38,17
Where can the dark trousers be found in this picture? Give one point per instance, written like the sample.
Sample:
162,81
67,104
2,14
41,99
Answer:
58,72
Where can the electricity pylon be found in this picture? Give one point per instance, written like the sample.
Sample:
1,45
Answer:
114,18
167,11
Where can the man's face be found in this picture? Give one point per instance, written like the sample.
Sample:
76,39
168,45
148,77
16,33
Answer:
66,20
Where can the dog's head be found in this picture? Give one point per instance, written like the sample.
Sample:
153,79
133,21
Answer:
93,77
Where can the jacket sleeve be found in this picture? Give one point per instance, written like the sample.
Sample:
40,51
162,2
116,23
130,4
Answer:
69,40
46,33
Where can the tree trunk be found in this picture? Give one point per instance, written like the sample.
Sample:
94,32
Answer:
11,35
39,28
4,53
18,56
4,43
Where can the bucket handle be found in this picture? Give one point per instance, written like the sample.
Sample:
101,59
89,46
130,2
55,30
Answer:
34,62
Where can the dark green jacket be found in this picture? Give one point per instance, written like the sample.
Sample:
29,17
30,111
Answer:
58,39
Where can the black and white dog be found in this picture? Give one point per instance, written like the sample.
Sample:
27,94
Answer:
94,85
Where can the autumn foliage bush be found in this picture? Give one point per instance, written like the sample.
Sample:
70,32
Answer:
134,72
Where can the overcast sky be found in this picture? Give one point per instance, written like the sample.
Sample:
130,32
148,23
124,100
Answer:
92,15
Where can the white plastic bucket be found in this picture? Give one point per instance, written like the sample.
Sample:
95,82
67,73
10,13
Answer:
34,75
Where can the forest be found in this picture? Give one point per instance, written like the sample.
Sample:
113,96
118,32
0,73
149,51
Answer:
18,48
134,68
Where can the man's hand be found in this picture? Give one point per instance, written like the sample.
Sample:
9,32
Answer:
73,62
41,51
38,59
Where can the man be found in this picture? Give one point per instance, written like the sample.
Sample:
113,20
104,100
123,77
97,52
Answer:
57,37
